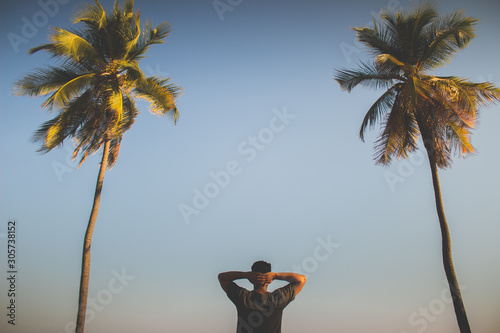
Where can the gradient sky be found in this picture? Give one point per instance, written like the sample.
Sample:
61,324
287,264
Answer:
260,110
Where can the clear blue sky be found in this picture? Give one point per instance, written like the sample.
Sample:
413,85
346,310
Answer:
260,111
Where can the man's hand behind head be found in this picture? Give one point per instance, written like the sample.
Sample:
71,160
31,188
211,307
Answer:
261,279
267,278
253,277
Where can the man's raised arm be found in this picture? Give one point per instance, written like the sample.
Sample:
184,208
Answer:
226,277
298,280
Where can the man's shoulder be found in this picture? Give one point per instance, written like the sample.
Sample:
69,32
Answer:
234,290
284,294
285,289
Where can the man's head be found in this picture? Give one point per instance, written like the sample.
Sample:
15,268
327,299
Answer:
261,267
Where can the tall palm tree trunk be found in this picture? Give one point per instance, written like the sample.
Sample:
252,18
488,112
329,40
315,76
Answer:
458,304
84,279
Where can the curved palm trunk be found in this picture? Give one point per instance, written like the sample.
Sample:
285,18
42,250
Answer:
84,279
458,304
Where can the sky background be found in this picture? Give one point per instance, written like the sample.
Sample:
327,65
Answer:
261,69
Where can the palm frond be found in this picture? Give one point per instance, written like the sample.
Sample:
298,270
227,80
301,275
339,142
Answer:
390,140
69,45
114,106
368,75
160,94
378,110
419,20
53,132
91,136
130,112
149,36
399,136
388,59
483,93
459,138
46,134
128,8
114,150
445,38
377,40
67,91
462,98
92,15
43,81
135,34
404,29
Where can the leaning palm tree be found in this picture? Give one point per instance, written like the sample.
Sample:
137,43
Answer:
439,110
93,89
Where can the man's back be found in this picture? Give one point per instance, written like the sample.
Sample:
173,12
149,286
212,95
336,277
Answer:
260,313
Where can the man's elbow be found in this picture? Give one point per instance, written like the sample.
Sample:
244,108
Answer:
299,283
299,279
222,281
221,277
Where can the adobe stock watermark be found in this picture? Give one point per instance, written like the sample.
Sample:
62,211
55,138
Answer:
349,49
156,71
69,165
223,6
489,79
405,169
424,316
322,252
30,25
247,149
103,297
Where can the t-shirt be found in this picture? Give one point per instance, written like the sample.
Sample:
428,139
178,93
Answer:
260,313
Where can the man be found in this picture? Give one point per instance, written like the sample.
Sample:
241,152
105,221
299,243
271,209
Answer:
260,311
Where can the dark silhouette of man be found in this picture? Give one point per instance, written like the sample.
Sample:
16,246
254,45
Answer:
260,311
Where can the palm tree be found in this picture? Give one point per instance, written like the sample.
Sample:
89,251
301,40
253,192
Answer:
93,89
441,110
